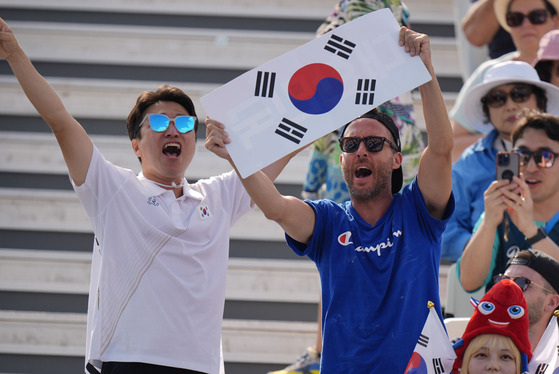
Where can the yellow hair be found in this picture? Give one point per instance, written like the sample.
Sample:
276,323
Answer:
490,340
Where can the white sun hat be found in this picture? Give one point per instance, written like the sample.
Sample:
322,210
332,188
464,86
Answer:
507,72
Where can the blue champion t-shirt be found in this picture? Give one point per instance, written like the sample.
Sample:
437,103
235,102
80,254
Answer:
376,281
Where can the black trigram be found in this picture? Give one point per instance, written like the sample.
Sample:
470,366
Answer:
541,368
291,131
438,366
423,340
265,83
339,46
365,94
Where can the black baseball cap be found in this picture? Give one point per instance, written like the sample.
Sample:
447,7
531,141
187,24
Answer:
541,262
386,120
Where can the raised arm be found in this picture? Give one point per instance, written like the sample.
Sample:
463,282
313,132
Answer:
74,142
294,216
435,167
476,259
480,23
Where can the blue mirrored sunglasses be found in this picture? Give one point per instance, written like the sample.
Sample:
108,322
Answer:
160,122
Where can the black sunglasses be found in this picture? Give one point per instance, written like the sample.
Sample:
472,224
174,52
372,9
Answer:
542,158
498,98
522,282
350,144
536,17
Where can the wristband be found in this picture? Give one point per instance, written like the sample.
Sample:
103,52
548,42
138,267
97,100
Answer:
541,234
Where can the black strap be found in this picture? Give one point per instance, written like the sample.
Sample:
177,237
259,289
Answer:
91,369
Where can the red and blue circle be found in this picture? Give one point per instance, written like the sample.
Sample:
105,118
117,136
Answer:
316,88
416,365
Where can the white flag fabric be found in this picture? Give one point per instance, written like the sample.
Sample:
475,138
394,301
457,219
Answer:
545,359
290,101
433,353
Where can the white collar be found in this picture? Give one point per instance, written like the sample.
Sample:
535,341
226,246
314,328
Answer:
155,189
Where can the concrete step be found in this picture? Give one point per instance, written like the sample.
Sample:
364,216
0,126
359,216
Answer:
173,47
113,99
61,211
46,157
432,11
64,334
61,272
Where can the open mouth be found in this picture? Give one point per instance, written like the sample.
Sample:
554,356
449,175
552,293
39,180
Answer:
172,149
362,172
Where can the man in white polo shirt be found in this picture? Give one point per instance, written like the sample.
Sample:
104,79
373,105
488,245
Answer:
161,245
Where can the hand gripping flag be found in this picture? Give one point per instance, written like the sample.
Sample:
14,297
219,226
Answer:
289,102
433,353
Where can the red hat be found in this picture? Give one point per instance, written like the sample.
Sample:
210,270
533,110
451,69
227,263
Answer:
502,311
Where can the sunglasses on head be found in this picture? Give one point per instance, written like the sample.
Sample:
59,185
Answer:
160,122
536,17
498,98
542,158
522,282
350,144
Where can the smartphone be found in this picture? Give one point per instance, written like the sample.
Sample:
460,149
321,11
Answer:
508,165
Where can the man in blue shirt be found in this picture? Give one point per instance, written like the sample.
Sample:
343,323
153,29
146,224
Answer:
378,254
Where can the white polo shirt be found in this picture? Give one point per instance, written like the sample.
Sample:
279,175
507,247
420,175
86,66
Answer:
159,267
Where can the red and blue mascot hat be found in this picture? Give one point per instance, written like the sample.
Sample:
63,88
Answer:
503,311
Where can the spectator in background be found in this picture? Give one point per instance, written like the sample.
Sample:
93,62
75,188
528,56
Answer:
496,337
519,214
547,60
526,32
475,31
538,275
492,106
481,28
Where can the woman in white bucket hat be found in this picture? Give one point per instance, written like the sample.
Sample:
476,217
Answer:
530,20
492,106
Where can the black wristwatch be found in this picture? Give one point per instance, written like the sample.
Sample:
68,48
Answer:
541,234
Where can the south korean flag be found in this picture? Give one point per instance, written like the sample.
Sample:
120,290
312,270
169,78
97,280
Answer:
433,353
291,101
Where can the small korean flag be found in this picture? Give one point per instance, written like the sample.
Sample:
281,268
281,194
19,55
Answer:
433,353
304,94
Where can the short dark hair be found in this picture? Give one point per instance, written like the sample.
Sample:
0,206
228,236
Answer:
541,98
148,98
544,70
537,121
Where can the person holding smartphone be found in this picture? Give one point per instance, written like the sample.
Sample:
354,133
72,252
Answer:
519,214
493,105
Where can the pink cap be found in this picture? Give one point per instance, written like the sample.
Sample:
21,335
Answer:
549,47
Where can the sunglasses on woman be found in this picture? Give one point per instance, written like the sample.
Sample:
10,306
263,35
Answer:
497,98
542,158
522,282
160,122
536,17
350,144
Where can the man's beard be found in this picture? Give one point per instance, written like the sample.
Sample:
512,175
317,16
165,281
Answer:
535,313
380,183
